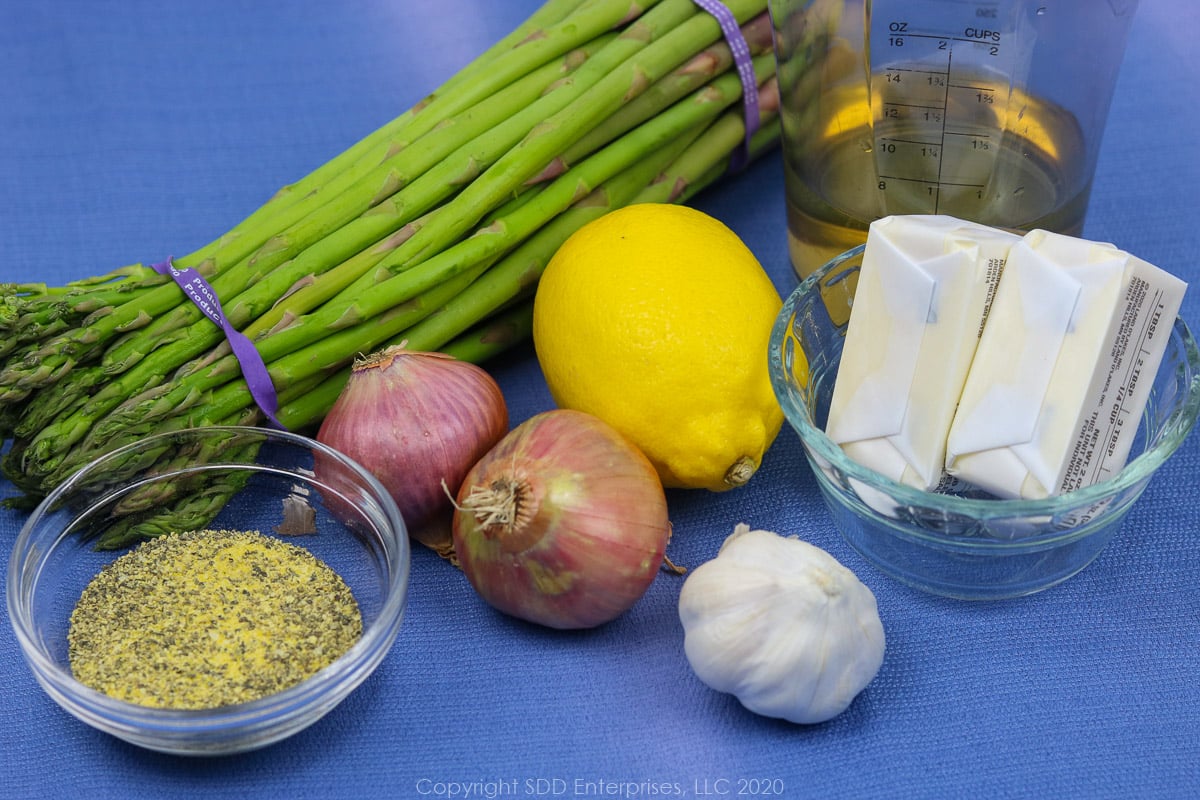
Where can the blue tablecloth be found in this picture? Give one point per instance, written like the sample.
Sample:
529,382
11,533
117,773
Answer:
131,130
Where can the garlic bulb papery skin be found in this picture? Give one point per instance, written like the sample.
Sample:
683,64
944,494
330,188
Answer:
780,624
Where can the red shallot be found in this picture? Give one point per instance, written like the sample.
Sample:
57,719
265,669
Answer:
416,420
563,523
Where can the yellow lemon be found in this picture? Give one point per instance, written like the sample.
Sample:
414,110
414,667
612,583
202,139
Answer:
655,318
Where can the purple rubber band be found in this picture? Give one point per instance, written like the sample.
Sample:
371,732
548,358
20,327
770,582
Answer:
745,67
196,289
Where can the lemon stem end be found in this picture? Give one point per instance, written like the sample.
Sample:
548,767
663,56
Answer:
740,472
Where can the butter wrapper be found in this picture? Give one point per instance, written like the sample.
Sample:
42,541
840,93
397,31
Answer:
1063,370
923,294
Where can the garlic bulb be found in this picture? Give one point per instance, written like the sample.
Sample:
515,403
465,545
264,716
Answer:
781,625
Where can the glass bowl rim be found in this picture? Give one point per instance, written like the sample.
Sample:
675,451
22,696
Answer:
1139,468
345,671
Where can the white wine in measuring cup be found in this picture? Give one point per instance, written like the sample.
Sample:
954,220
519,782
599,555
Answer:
988,111
1033,177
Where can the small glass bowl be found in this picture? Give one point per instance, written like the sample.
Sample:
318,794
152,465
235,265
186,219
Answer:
964,546
235,478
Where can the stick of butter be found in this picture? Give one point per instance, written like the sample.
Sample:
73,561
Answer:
923,292
1075,335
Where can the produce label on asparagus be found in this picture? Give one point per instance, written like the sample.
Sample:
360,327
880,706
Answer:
198,290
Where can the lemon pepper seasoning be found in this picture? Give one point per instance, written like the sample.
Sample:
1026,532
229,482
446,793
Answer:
209,618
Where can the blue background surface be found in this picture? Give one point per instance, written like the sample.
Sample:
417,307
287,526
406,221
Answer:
130,130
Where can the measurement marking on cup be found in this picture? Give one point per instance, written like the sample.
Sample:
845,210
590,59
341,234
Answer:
899,140
993,45
973,87
918,106
937,197
944,150
955,184
892,72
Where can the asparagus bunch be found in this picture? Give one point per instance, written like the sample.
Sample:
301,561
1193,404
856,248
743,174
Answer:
433,229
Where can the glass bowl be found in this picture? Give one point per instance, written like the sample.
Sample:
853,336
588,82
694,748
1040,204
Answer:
964,545
281,484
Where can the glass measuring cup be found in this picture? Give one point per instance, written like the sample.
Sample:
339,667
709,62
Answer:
988,110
